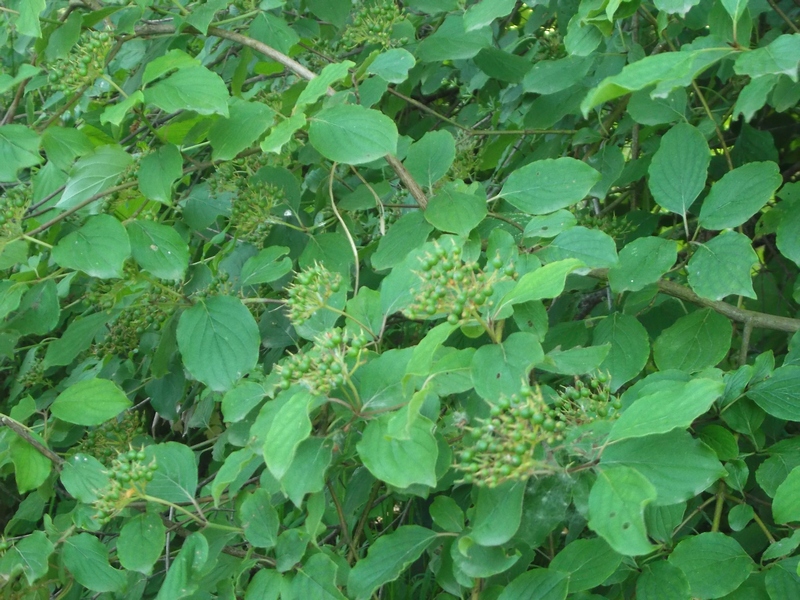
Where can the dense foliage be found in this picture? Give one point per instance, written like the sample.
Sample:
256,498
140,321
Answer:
422,299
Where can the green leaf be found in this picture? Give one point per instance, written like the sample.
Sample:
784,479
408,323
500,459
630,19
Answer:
400,462
77,338
265,267
158,249
244,125
641,263
429,159
184,576
83,476
630,347
158,171
387,558
407,233
219,340
662,581
352,134
237,464
552,76
498,512
501,65
542,584
473,560
544,186
38,311
265,585
175,478
549,226
393,66
19,149
290,426
31,467
483,13
30,555
754,96
87,559
28,18
499,369
678,466
722,267
141,542
317,579
259,519
451,41
739,195
447,514
93,174
306,474
616,509
202,15
172,60
282,133
274,31
63,145
680,7
587,562
595,248
317,87
694,342
99,248
668,405
679,168
735,8
575,361
780,56
455,212
10,296
25,71
714,564
656,111
90,402
777,395
666,71
192,88
543,283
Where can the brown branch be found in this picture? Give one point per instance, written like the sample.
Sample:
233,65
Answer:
12,108
783,15
23,432
740,315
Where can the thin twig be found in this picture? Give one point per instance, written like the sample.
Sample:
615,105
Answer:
740,315
25,434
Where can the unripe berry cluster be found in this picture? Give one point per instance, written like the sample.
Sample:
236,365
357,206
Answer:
326,365
609,224
34,375
310,291
501,448
587,402
454,287
373,23
106,441
13,203
150,313
252,210
128,476
84,63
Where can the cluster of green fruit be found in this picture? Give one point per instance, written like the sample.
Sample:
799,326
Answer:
149,314
372,24
609,224
83,64
310,291
252,210
502,447
112,437
587,402
128,478
12,209
454,287
246,6
33,375
326,365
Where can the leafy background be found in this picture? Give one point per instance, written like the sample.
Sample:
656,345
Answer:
425,299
